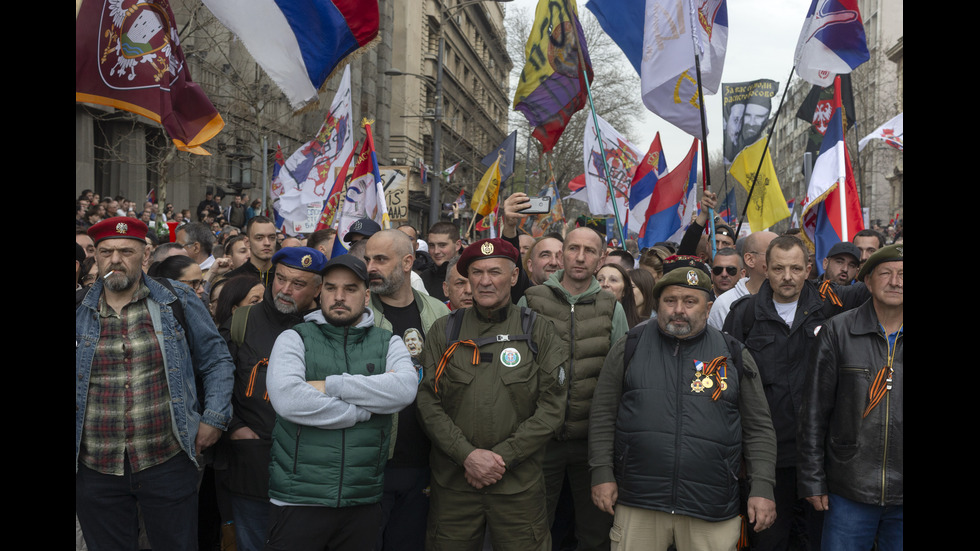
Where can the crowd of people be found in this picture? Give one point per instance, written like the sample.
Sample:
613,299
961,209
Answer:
559,392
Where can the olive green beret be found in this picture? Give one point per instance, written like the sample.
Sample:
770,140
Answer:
891,253
691,278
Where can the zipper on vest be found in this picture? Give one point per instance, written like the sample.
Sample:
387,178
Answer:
677,431
343,432
571,369
299,429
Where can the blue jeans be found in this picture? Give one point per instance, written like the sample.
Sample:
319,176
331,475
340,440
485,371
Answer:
106,506
851,525
251,522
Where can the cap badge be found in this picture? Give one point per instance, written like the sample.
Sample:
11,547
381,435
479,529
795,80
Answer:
487,248
692,277
306,260
122,227
900,250
356,226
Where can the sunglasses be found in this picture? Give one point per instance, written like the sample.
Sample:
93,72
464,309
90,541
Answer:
717,270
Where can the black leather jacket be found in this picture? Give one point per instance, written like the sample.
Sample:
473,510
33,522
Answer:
840,451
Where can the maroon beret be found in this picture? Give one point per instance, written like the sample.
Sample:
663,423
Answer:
486,248
118,226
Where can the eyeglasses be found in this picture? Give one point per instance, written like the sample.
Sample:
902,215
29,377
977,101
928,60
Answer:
717,270
193,283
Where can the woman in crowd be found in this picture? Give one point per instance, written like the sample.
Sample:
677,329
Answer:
614,279
652,260
180,268
643,284
243,290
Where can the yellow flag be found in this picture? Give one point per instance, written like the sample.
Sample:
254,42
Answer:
767,204
485,197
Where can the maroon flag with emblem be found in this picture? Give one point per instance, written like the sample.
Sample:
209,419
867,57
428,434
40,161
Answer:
128,56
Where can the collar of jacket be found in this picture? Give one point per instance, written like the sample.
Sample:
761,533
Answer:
158,293
809,300
554,282
865,320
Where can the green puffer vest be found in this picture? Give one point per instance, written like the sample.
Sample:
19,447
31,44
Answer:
334,468
586,327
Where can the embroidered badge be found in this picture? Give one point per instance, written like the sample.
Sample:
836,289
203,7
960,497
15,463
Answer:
900,251
692,277
306,260
487,248
510,357
356,226
122,227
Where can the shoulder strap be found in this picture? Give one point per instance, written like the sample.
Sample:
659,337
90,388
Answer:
177,306
632,337
453,324
528,317
239,322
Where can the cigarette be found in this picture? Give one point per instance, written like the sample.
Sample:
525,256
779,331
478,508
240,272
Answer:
109,273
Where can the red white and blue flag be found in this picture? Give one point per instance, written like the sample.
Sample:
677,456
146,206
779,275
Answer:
365,197
649,171
299,43
832,41
831,208
665,214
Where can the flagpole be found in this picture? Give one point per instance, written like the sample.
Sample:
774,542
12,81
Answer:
762,158
706,174
605,165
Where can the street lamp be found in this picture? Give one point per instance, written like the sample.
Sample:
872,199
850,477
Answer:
435,192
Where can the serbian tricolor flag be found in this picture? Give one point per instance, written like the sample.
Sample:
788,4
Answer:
648,172
663,216
832,41
365,196
128,56
551,87
831,208
299,43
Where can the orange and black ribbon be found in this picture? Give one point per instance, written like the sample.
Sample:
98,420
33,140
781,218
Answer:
448,354
827,292
883,380
264,362
717,367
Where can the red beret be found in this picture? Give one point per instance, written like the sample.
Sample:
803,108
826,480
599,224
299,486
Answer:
486,248
118,226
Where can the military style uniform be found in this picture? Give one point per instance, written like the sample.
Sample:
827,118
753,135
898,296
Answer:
500,397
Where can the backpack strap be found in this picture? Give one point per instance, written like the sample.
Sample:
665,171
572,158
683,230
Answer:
528,317
239,322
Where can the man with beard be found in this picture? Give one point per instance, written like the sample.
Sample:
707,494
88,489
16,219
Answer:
408,314
334,382
684,401
250,333
754,121
842,263
143,348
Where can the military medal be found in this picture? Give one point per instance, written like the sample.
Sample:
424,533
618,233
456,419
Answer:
707,382
696,386
723,385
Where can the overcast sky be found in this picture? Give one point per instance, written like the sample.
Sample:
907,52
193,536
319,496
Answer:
762,38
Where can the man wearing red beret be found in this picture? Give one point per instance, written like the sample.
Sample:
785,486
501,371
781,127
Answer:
142,349
492,396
